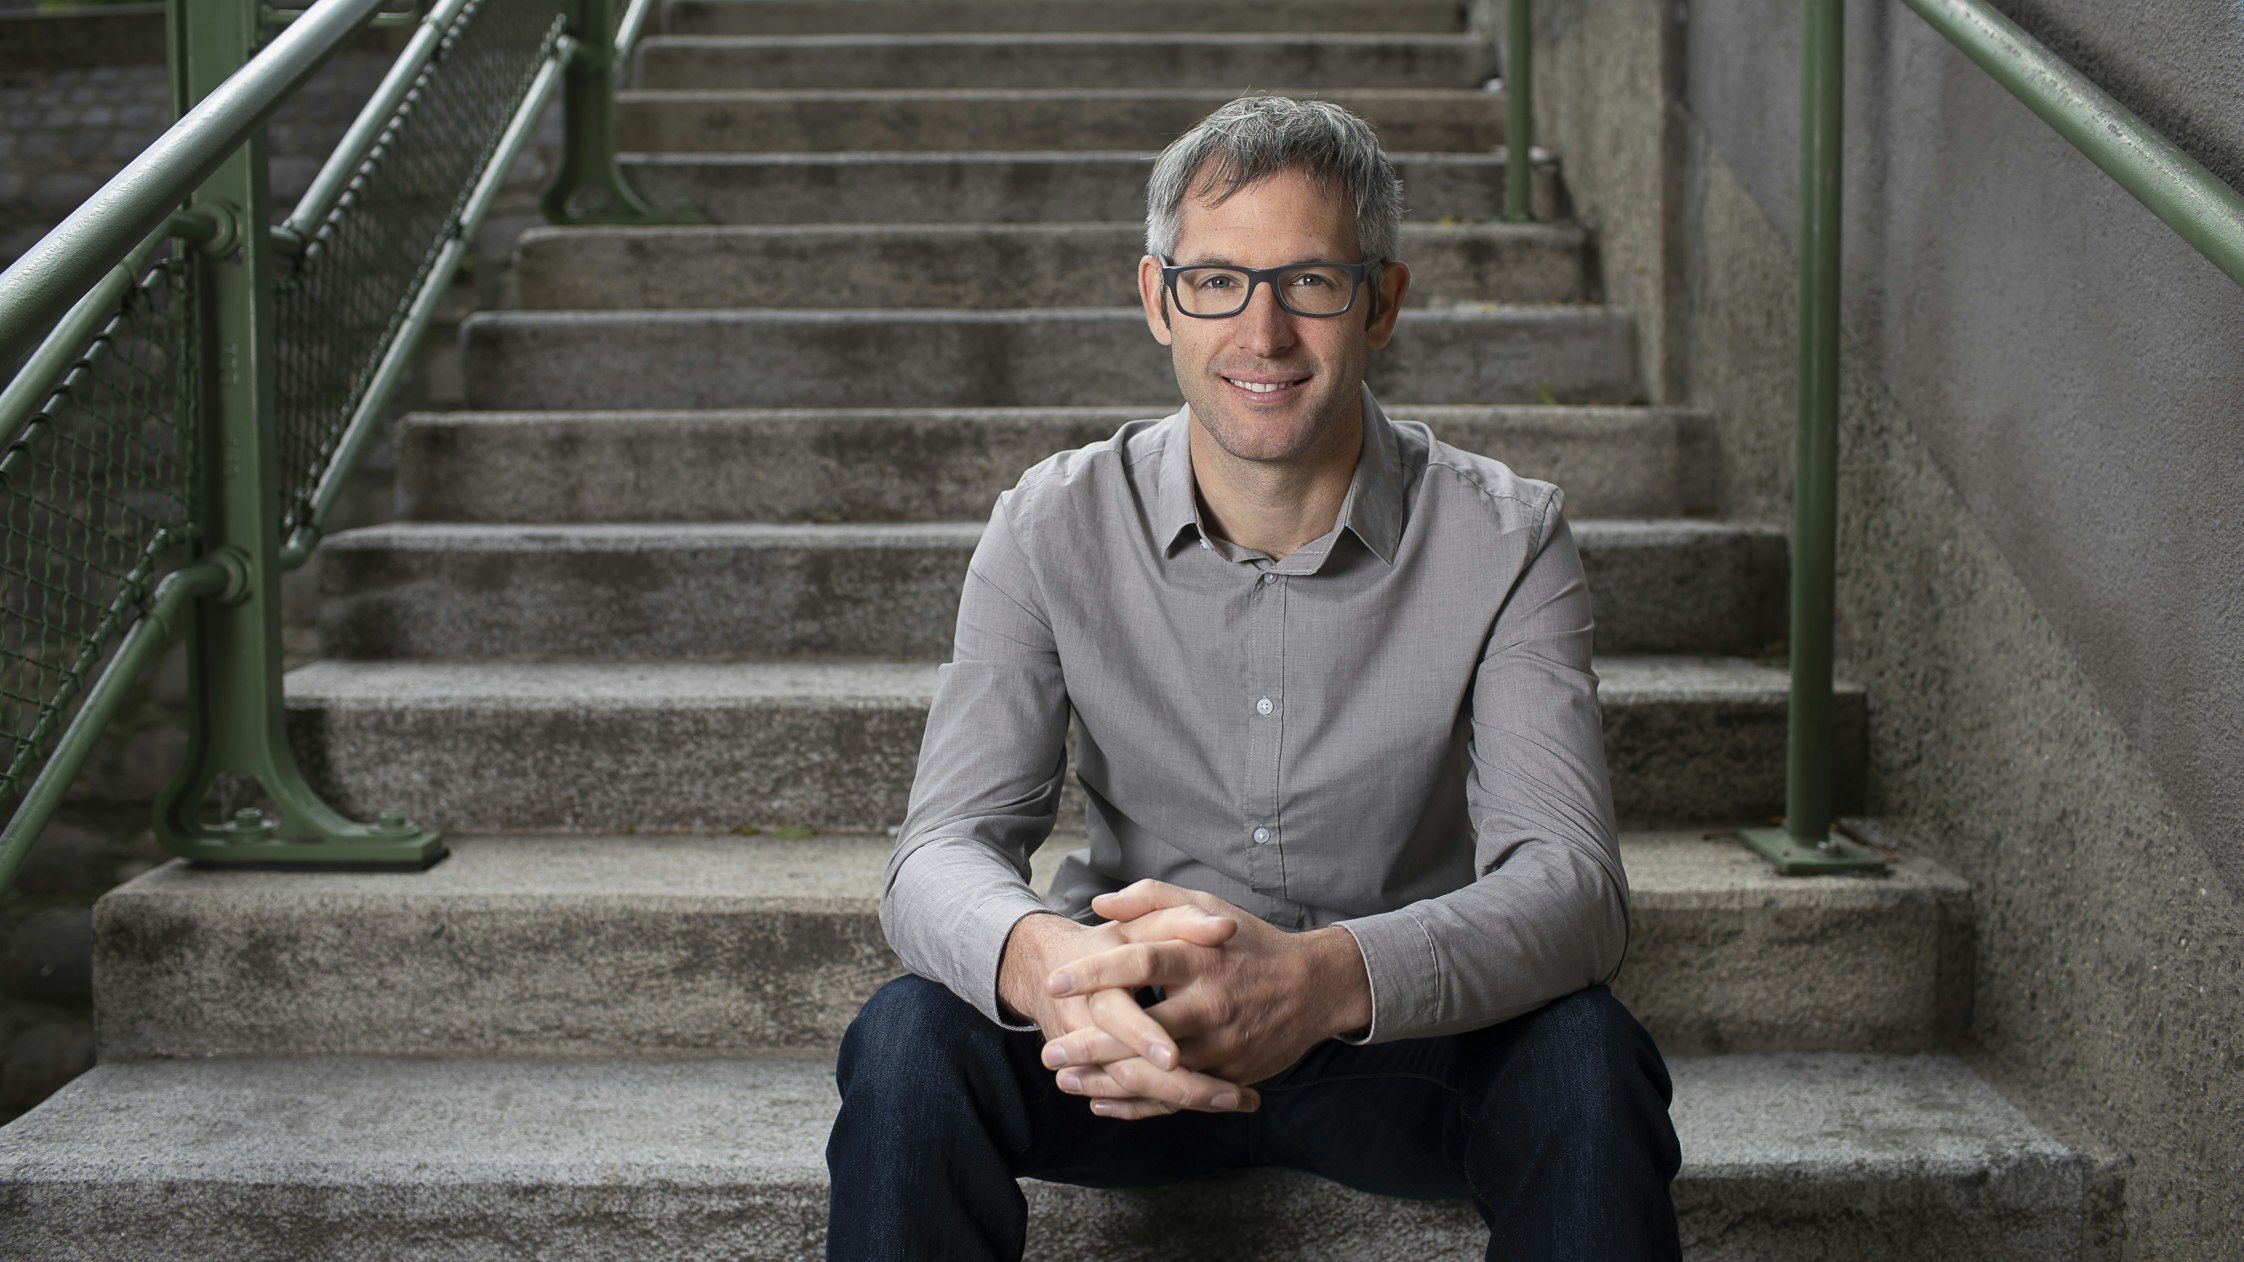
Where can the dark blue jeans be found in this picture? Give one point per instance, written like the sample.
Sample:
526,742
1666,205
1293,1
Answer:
1553,1124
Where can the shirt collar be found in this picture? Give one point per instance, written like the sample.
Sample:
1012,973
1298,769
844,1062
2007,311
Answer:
1372,509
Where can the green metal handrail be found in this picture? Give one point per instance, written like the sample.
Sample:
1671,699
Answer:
1519,111
180,408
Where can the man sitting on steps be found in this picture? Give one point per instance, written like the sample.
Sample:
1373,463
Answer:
1352,887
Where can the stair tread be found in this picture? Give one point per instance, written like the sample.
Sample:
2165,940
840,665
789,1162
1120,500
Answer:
649,536
682,685
1843,1117
1667,869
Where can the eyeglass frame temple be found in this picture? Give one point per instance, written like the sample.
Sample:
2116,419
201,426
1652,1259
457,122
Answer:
1357,273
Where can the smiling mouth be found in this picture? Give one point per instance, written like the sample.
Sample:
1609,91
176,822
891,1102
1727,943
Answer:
1266,387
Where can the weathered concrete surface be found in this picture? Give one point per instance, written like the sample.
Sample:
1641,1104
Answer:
1231,62
981,266
800,17
667,946
730,591
1441,119
279,1159
922,464
1050,187
602,747
938,358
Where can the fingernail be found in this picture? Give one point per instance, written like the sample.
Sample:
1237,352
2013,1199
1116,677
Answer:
1054,1056
1163,1056
1071,1082
1062,983
1225,1100
1101,1107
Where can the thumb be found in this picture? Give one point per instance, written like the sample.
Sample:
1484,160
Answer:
1183,924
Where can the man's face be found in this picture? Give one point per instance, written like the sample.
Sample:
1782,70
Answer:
1266,384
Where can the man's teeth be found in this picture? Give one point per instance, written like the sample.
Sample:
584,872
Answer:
1259,387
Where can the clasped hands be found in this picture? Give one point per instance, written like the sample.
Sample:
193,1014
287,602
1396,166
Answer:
1242,999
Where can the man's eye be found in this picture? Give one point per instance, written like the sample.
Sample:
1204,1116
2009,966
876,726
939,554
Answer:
1314,280
1218,280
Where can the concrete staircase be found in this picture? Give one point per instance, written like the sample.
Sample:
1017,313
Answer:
656,637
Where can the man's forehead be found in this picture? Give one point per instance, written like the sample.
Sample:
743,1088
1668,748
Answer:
1324,212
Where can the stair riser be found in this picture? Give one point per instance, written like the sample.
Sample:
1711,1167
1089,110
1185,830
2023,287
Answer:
917,466
1011,62
480,767
1029,188
993,359
588,977
868,17
731,122
786,594
1066,266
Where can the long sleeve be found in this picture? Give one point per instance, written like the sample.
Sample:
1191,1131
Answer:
1548,911
988,785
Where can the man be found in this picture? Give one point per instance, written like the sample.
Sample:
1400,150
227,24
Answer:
1352,886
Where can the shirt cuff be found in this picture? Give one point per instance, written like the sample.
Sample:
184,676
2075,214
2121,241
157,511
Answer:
1404,973
961,947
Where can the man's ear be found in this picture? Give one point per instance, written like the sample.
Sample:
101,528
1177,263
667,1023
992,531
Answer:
1156,302
1394,282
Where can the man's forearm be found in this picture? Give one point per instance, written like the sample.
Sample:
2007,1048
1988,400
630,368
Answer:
1022,969
1337,965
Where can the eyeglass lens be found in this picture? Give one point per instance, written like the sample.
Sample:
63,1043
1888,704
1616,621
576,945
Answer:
1222,291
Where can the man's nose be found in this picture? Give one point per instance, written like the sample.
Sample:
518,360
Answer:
1265,328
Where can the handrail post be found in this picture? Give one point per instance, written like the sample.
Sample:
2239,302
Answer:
1806,843
588,187
1519,112
236,715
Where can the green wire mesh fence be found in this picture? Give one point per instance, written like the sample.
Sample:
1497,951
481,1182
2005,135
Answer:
343,303
94,499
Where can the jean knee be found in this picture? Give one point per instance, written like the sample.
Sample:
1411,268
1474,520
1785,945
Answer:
908,1033
1590,1063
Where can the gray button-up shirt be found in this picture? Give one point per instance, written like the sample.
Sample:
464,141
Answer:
1394,728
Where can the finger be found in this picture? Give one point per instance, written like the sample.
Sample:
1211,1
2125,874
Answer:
1131,1110
1088,1046
1134,1079
1115,1012
1141,897
1185,924
1129,966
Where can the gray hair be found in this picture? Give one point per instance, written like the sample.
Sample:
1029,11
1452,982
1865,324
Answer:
1254,138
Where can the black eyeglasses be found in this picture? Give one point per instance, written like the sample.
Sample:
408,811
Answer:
1309,289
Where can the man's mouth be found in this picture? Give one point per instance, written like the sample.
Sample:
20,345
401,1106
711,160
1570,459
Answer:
1266,385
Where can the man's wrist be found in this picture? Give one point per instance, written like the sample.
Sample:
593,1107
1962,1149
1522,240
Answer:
1339,974
1022,963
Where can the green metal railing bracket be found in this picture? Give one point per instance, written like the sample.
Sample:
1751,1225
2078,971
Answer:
588,187
237,716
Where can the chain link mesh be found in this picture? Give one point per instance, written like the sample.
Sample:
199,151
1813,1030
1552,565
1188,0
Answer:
343,303
94,498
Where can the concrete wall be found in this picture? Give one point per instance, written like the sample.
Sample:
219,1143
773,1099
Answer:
2042,506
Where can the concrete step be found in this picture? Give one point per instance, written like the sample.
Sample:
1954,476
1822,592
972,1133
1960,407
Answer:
607,746
724,946
931,465
979,266
1232,62
1054,357
740,121
887,188
1836,1157
810,17
712,592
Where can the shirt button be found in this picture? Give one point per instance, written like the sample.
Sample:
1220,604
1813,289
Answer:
1261,835
1263,706
1268,579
